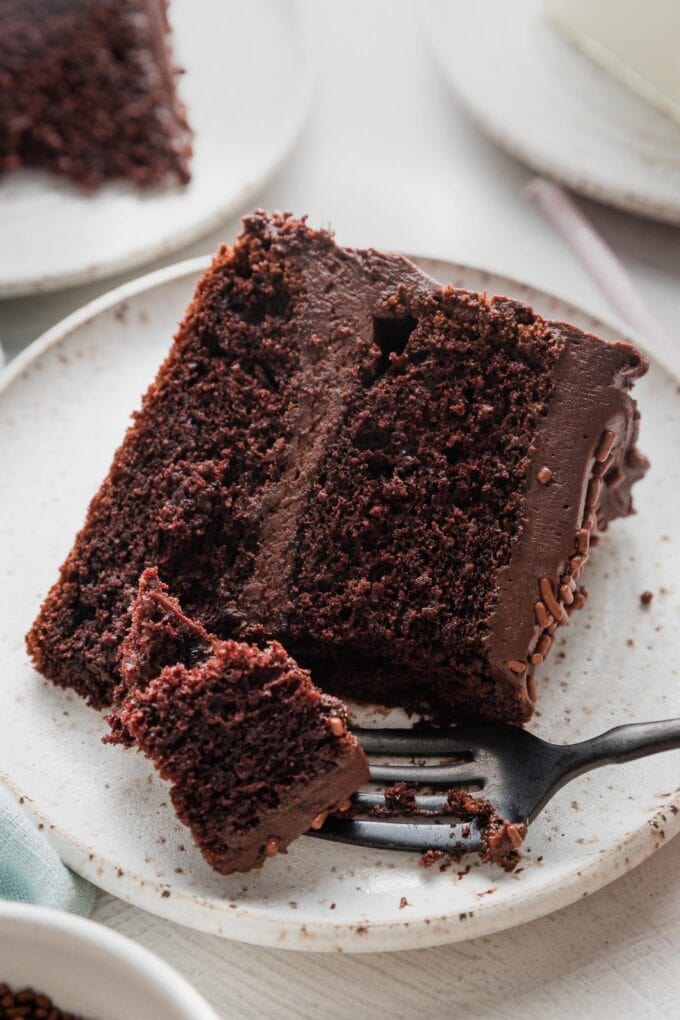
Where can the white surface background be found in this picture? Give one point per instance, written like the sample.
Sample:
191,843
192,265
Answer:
389,159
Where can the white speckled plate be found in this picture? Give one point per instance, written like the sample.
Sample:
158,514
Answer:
549,105
247,87
64,404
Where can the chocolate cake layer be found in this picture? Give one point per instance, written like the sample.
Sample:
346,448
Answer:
87,90
395,479
254,752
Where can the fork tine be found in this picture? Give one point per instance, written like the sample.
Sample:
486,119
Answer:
433,802
441,775
412,742
402,835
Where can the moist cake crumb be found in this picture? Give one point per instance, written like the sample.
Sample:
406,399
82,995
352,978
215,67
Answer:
246,741
430,857
501,840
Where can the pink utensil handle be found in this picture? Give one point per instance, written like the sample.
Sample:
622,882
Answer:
605,267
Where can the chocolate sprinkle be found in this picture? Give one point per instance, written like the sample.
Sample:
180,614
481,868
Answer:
557,610
605,445
593,493
544,644
543,618
28,1004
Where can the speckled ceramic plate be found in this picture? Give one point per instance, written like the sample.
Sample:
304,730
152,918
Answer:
552,107
247,87
64,405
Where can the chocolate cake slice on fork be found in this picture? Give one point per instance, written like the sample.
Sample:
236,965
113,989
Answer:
254,752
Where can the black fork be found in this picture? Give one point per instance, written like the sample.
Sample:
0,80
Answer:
513,769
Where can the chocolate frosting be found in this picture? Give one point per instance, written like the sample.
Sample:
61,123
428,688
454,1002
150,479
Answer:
344,290
591,398
295,814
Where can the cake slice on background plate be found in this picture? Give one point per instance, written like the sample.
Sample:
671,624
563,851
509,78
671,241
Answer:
255,753
396,480
87,90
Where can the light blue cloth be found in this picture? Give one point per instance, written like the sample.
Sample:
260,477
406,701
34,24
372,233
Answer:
31,870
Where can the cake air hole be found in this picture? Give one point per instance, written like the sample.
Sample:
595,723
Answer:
391,336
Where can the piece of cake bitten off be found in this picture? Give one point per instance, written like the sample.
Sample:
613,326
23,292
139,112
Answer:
255,754
394,478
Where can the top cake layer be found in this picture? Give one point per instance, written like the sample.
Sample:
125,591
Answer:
87,90
395,479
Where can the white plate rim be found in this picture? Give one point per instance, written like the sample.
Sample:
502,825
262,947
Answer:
523,149
299,109
248,926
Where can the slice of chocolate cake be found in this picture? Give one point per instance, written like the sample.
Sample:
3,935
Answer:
254,752
87,90
395,479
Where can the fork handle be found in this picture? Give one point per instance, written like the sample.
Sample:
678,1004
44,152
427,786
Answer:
622,744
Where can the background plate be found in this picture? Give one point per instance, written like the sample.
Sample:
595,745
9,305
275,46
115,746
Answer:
547,104
247,87
64,404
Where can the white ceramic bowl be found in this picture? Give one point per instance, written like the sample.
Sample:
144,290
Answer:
87,969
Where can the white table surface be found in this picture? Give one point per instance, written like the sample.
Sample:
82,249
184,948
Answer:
389,160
